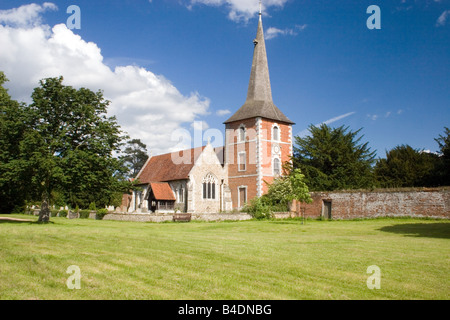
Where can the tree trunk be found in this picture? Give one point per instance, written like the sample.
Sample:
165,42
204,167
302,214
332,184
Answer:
44,214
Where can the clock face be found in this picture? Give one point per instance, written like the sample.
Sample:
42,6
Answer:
276,149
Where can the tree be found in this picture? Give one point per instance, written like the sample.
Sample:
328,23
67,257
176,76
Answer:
73,145
291,186
135,156
405,166
334,159
444,163
282,191
15,168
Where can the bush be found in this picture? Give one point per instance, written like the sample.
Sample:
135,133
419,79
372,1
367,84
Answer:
259,208
84,214
54,213
101,214
63,213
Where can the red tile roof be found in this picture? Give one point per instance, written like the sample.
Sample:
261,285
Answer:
163,168
162,191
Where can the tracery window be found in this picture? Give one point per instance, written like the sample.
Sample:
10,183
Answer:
209,187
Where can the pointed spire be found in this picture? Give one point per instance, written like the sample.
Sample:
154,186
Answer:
259,86
259,95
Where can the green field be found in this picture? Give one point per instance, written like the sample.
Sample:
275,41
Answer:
280,259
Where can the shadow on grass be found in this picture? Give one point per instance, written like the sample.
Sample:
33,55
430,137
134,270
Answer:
21,221
429,230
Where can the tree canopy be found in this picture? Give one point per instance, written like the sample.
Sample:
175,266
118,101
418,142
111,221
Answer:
135,156
405,166
62,143
334,159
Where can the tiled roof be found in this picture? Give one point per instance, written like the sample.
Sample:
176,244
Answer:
162,191
163,168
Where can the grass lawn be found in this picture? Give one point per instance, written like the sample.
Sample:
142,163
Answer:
281,259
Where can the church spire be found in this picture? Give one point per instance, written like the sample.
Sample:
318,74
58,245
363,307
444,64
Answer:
259,88
259,95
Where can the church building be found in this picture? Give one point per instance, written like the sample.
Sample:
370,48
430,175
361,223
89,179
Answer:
258,141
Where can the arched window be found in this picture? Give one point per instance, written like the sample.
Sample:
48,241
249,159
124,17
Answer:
276,167
276,133
241,133
209,187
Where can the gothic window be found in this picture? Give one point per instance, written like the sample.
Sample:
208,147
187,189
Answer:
276,167
209,187
276,133
242,161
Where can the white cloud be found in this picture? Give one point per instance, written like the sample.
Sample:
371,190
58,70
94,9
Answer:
442,20
25,16
221,113
273,32
147,105
240,9
200,125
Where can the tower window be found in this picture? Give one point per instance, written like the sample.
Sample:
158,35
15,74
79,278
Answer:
276,167
242,134
276,133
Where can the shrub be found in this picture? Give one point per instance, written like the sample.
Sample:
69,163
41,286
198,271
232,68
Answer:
259,208
63,213
101,214
84,214
92,206
54,213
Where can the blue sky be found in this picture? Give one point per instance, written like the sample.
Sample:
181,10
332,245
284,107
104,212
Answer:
167,63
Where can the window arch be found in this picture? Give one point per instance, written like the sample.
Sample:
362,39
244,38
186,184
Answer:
276,167
209,187
242,133
276,133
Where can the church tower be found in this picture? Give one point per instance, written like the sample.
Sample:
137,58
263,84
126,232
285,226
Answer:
258,138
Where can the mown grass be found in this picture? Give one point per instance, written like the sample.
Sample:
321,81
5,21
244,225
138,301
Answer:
279,259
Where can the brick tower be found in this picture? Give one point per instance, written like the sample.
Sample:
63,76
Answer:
258,138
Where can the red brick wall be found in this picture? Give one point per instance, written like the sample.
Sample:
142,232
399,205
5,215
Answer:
369,204
234,147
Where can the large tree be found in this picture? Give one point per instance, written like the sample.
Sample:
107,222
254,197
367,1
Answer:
73,145
334,159
15,168
405,166
135,156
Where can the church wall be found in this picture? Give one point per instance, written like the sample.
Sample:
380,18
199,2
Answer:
248,182
208,163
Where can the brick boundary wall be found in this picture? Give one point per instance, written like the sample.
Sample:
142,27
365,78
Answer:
420,203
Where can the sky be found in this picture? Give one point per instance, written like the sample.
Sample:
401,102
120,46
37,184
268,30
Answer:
175,70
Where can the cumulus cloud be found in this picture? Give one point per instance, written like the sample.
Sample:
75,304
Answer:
26,16
240,10
147,105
